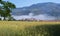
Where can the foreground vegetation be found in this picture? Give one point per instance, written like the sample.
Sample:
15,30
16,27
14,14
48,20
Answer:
19,28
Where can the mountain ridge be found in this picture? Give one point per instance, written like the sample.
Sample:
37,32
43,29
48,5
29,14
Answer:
42,7
49,8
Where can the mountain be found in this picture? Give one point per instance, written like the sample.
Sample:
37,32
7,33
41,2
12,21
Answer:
49,8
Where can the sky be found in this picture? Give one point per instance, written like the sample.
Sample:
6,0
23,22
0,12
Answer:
24,3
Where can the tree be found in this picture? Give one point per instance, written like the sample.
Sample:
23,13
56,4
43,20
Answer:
11,18
6,8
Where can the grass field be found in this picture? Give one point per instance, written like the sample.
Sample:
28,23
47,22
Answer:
18,28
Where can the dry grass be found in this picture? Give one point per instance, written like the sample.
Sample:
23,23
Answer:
13,28
21,25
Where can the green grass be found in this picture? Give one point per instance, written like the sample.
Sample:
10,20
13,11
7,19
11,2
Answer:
43,30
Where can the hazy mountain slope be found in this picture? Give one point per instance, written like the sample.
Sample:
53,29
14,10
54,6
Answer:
40,8
49,8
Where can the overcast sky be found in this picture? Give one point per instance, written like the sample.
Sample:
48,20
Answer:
23,3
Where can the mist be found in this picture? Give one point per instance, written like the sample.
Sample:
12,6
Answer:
37,17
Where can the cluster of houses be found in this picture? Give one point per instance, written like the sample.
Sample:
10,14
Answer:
33,19
29,19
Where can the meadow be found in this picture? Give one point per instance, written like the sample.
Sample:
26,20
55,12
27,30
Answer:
25,28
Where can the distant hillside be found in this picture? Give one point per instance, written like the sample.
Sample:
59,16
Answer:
49,8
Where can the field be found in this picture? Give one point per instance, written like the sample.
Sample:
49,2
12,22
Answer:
23,28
